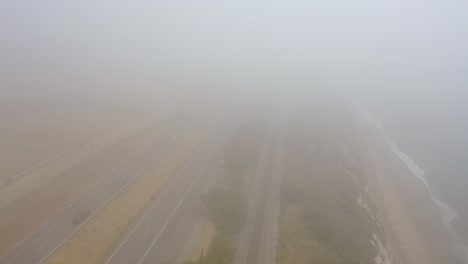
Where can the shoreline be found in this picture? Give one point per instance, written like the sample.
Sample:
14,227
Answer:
415,230
411,190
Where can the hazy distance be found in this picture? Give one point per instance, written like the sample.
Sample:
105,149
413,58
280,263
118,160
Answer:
406,62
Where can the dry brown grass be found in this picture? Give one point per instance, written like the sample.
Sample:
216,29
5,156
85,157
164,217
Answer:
96,237
24,215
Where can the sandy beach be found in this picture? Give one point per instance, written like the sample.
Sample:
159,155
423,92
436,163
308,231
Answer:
414,230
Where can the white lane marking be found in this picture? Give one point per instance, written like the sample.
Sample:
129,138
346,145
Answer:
44,162
75,208
80,204
58,155
39,248
102,206
177,208
154,204
146,232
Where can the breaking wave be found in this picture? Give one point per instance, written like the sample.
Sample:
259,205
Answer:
448,213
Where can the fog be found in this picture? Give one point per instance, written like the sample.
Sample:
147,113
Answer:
405,61
390,46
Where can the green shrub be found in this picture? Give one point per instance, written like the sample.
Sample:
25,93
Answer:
228,209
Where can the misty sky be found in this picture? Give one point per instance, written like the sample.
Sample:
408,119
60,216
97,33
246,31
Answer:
406,60
394,52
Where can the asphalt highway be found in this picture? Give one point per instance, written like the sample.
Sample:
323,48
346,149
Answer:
45,241
159,235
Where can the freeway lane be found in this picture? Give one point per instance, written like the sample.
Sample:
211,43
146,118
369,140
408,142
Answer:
263,241
257,243
256,197
48,238
161,232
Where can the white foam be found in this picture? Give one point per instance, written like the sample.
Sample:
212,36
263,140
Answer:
448,213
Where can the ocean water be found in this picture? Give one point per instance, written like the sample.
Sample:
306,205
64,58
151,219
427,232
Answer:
449,214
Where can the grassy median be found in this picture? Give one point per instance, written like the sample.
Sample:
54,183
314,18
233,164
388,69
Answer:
227,201
93,241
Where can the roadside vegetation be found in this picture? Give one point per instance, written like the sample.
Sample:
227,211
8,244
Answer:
320,218
96,239
227,200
